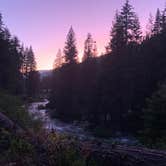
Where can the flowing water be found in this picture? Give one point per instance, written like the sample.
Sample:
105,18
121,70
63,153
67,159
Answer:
56,124
70,128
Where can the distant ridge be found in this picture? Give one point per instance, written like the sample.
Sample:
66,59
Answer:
45,73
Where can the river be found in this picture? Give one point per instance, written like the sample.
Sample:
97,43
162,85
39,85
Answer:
56,124
71,129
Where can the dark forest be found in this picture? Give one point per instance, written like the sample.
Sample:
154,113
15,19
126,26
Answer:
118,95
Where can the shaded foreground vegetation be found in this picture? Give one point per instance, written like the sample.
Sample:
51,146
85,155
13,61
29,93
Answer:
31,145
28,144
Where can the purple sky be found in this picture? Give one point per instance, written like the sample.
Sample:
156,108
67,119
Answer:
45,23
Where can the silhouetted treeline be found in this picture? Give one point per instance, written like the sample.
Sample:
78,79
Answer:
18,73
111,90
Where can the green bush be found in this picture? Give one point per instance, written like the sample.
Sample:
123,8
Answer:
14,109
154,133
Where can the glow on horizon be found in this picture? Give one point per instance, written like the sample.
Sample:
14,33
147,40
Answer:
45,24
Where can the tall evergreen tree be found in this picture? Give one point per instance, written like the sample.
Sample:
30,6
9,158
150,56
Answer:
126,28
95,51
131,25
70,50
157,23
58,60
117,34
150,26
10,61
127,17
31,76
1,23
29,61
88,47
163,20
136,30
6,34
16,63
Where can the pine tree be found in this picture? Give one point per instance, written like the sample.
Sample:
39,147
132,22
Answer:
22,52
15,62
126,28
59,60
157,23
117,34
1,24
16,50
95,52
29,61
70,50
163,20
136,30
150,26
32,59
127,17
7,35
31,76
88,47
131,25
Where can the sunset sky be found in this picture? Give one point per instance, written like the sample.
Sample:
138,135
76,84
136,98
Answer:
44,24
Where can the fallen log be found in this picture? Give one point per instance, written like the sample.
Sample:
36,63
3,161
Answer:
123,155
